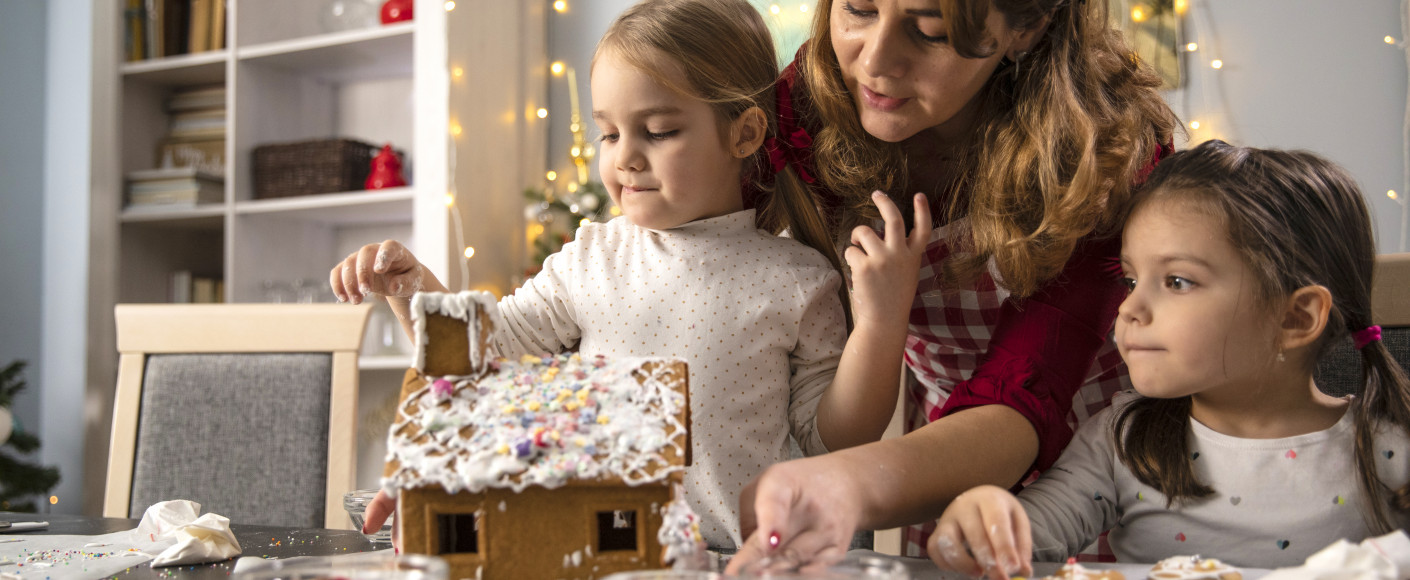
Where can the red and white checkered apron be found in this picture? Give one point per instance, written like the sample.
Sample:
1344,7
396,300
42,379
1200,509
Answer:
949,333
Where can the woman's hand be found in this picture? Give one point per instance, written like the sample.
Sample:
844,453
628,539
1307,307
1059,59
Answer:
795,513
387,268
984,532
884,270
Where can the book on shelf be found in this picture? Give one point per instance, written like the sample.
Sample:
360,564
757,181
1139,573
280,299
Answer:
173,188
199,123
160,28
207,155
196,98
187,288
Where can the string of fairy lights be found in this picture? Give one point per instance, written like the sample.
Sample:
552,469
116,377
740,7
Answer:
1200,44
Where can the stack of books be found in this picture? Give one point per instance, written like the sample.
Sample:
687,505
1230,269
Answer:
186,288
173,188
158,28
197,133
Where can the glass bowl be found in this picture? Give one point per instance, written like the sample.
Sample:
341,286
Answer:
382,565
356,504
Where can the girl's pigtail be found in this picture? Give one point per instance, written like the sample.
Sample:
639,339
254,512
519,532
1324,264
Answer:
1158,451
1384,401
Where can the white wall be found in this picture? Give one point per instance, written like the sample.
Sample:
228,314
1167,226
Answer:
22,32
1305,74
66,206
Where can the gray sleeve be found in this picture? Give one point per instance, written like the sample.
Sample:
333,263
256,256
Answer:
1075,500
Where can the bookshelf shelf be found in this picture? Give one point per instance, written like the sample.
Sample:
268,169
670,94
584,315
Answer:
341,56
388,205
185,69
211,216
384,362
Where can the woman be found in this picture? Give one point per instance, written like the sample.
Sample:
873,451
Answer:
1027,123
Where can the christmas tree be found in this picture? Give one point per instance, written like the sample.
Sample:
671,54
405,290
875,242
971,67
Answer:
554,219
19,478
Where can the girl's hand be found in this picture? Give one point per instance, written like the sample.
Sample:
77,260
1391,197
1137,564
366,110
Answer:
884,271
794,514
387,268
378,510
984,532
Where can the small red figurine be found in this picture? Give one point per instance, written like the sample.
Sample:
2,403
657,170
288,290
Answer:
396,11
386,170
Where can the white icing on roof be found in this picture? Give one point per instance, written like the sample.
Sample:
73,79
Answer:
540,421
460,306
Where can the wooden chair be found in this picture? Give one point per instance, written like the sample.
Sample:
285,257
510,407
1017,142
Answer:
1339,373
248,409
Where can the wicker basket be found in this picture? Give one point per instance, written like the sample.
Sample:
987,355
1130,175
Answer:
309,167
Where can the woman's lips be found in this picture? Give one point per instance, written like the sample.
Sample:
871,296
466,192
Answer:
879,101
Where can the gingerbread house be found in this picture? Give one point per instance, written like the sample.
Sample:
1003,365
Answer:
546,467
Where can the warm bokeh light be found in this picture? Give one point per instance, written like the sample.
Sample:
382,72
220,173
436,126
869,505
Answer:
1216,63
802,7
575,151
556,67
1139,13
455,129
616,210
560,5
450,200
542,113
584,222
1182,6
1194,124
1191,47
572,187
53,500
1392,194
450,5
457,72
774,9
469,252
551,175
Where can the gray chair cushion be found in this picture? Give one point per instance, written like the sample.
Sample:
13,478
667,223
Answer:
1339,373
244,435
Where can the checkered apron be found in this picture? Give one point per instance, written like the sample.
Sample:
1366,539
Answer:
949,333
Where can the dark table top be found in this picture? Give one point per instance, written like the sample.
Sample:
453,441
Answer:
257,541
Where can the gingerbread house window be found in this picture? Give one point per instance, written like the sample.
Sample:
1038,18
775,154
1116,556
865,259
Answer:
459,533
616,531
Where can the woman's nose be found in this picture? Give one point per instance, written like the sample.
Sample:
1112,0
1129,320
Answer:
883,53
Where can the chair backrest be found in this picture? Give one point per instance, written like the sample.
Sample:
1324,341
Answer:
248,409
1339,373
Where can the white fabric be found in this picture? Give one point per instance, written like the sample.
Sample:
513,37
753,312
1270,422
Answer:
198,540
757,317
1383,558
1276,501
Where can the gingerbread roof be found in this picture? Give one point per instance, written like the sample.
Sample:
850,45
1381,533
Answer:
541,421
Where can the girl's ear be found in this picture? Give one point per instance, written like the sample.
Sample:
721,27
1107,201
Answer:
747,132
1305,316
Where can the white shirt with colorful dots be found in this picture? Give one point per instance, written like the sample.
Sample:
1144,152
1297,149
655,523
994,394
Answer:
757,317
1275,501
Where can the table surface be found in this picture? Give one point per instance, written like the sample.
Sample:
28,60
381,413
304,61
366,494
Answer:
257,541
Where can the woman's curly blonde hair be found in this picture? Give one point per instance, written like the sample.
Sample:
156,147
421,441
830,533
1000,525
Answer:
1058,146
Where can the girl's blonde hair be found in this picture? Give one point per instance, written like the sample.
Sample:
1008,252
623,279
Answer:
1297,220
725,50
1059,141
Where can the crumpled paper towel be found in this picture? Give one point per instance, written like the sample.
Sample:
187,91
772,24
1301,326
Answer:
1383,558
199,540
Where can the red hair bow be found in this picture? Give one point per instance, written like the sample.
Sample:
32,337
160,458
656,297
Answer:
792,149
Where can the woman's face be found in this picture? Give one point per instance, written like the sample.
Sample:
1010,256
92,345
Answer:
903,75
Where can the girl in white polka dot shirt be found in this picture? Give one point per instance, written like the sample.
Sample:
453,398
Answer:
682,94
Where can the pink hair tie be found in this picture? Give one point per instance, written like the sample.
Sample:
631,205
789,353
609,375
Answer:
1367,336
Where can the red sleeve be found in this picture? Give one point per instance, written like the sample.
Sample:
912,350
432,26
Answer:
1044,345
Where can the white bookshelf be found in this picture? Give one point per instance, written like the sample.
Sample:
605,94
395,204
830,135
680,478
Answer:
287,79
